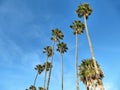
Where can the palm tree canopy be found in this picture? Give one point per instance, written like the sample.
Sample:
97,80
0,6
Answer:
41,88
57,35
48,65
84,9
87,71
78,27
62,47
48,50
40,68
32,87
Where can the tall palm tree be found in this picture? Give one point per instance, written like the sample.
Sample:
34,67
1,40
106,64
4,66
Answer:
40,69
62,47
57,35
84,10
48,50
78,28
88,75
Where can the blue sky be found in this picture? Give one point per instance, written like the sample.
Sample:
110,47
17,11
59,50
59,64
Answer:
25,29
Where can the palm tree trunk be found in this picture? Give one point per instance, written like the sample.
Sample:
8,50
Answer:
90,44
45,73
77,83
36,78
49,75
62,69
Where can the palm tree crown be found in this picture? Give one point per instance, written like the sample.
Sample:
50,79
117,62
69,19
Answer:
88,75
84,9
48,65
40,68
77,26
62,47
32,87
57,35
48,50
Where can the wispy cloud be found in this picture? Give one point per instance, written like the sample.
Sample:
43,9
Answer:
110,86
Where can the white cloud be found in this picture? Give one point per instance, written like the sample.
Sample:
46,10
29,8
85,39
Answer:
110,86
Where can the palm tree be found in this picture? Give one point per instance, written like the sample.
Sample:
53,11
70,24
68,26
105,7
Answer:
32,88
88,75
48,50
57,35
40,69
84,10
78,28
62,47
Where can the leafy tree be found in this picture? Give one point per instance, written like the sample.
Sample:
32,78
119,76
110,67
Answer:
89,77
57,35
48,50
40,69
84,10
62,47
78,28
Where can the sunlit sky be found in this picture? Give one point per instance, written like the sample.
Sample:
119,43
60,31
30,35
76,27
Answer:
25,29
